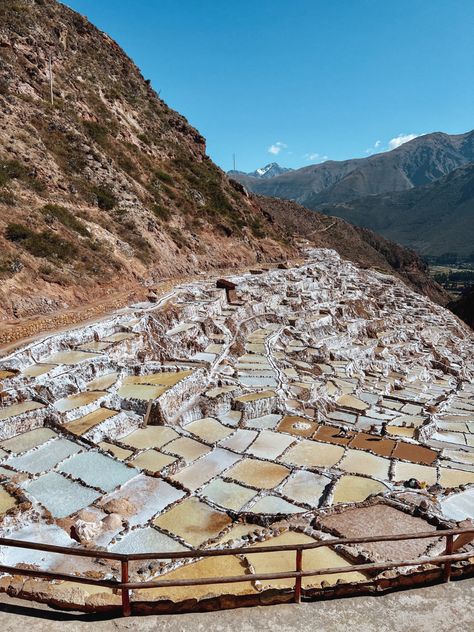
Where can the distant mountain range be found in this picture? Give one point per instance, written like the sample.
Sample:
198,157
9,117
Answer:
433,219
366,191
271,170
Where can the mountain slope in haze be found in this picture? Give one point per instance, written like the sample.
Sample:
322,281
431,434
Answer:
433,219
362,246
107,185
415,163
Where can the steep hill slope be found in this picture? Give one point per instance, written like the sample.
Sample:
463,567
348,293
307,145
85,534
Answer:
413,164
107,185
433,219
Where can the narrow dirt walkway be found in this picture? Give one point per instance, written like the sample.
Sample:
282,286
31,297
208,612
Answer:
441,608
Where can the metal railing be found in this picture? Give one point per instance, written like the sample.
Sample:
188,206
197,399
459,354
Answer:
124,585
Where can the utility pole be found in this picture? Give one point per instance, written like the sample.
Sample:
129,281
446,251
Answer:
51,81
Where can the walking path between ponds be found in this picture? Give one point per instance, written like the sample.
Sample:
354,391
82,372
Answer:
441,608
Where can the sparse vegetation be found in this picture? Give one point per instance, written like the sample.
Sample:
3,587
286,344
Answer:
96,132
15,170
163,176
161,212
53,212
106,200
44,244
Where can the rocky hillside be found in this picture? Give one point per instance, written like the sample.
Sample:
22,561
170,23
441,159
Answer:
433,219
103,187
362,246
413,164
106,185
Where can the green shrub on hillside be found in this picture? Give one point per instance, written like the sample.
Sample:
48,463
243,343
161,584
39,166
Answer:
161,212
66,218
45,244
106,200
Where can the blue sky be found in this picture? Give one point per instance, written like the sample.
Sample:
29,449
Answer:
297,81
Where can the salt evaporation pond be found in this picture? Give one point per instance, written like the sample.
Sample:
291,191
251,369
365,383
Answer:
59,495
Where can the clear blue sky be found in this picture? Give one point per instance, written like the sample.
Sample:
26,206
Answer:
305,79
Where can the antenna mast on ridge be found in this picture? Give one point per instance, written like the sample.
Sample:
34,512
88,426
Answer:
234,160
51,81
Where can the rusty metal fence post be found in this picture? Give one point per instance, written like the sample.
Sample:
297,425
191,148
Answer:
125,592
448,551
299,568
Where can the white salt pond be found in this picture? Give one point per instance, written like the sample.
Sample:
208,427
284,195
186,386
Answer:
59,495
98,470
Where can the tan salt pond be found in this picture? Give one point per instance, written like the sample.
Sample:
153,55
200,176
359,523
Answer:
423,473
150,437
103,382
187,448
70,357
354,489
400,431
313,454
18,409
254,397
359,462
282,561
228,566
144,392
228,495
35,370
163,378
194,521
117,451
208,429
454,478
119,337
28,440
7,501
93,345
83,424
152,460
256,473
349,401
77,400
269,445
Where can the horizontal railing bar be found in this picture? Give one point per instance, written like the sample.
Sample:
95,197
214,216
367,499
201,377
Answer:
292,547
457,557
195,553
293,574
30,572
66,550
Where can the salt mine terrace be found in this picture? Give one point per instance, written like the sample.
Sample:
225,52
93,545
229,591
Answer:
288,409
